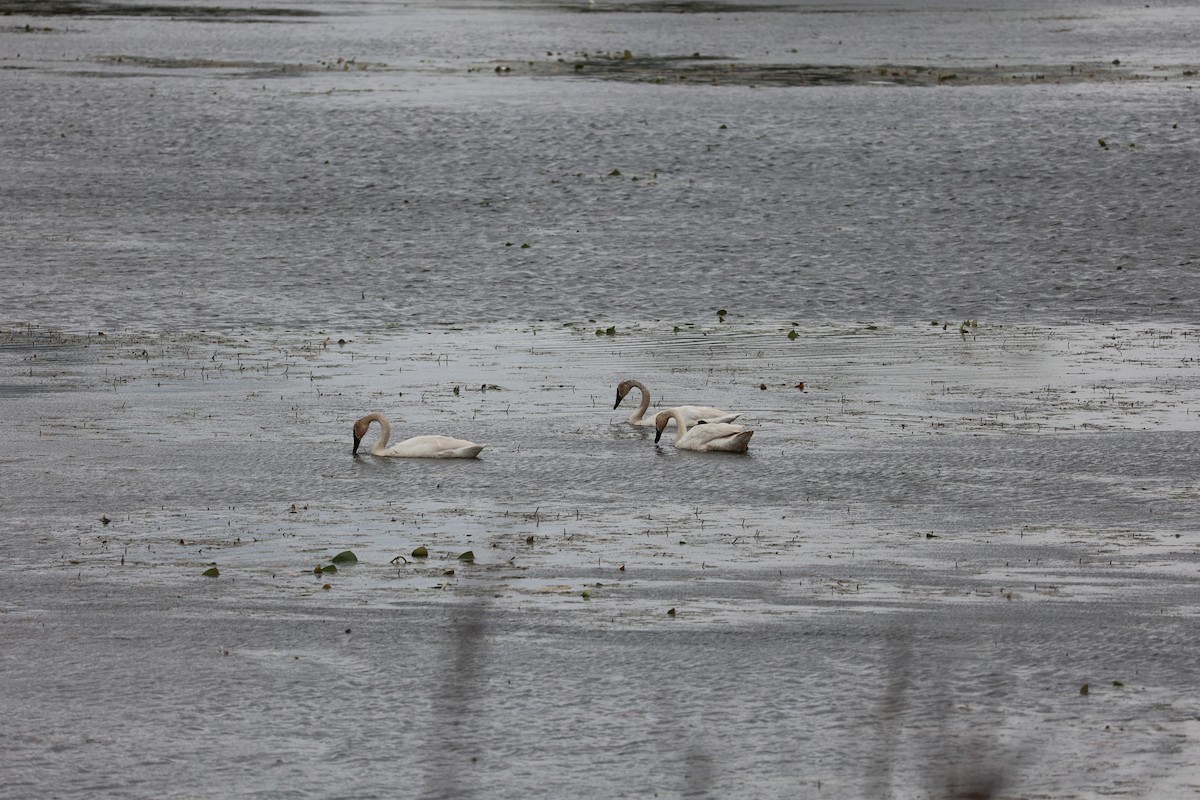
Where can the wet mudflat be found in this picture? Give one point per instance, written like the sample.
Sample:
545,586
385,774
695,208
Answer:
955,251
928,551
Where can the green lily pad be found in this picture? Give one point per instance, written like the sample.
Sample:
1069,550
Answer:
329,568
211,572
468,556
421,552
345,557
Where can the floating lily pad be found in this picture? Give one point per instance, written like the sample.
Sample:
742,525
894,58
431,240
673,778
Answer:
468,557
421,552
329,568
345,557
211,572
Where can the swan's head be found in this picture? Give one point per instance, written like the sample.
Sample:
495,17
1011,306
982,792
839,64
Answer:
622,389
660,424
360,430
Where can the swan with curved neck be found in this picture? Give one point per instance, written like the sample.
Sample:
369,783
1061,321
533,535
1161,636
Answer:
416,447
692,414
707,437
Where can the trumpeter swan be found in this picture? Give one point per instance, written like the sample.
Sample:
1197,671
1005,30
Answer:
703,436
416,447
692,414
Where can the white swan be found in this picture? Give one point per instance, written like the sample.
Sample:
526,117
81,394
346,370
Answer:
704,436
416,447
692,414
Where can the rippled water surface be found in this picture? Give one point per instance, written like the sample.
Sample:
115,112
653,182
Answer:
954,250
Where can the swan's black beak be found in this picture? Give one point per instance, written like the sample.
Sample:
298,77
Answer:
620,397
354,451
657,434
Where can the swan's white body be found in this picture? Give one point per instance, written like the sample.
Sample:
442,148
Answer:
416,447
705,437
691,414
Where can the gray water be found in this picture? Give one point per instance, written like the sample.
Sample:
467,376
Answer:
228,234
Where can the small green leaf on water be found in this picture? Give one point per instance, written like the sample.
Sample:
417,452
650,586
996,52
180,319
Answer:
676,329
793,335
1084,689
586,593
721,312
211,572
421,552
611,330
670,612
468,557
1118,684
525,245
599,331
616,173
627,55
345,557
329,568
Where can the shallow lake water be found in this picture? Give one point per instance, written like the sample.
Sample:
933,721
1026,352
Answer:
954,251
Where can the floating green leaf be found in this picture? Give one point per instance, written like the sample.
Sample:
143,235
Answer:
1084,689
345,557
468,557
611,330
421,552
670,612
329,568
616,173
586,593
793,335
211,572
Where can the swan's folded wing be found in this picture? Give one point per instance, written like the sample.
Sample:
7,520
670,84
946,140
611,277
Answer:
704,436
694,414
434,447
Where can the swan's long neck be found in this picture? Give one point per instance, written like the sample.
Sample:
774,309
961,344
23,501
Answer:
680,424
385,431
642,406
